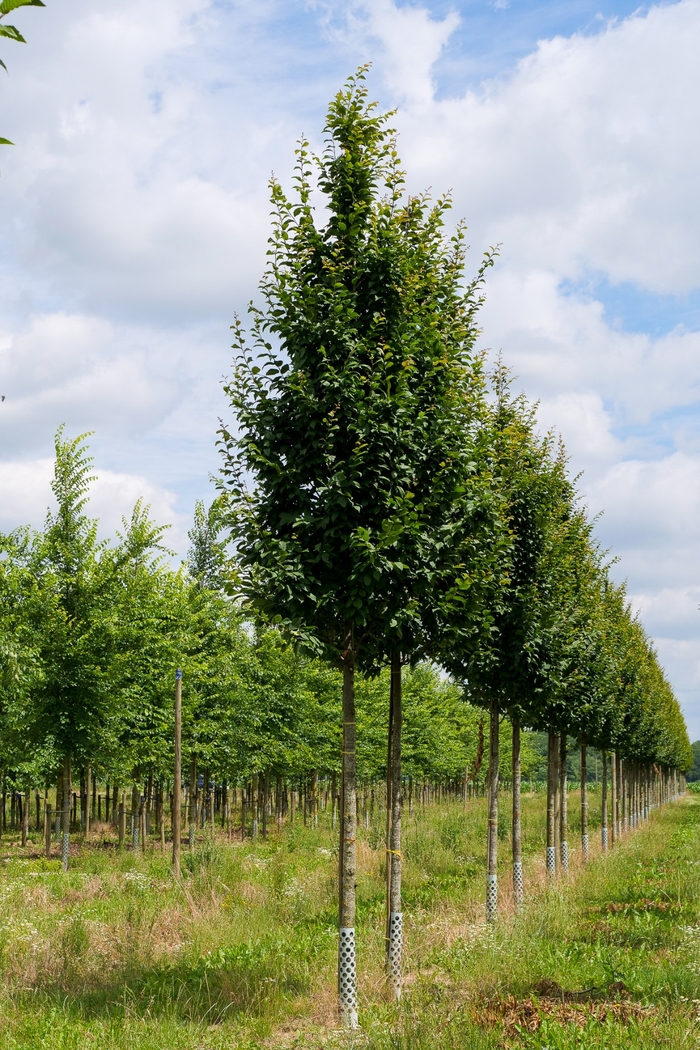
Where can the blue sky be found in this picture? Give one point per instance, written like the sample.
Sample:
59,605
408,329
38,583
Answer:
135,223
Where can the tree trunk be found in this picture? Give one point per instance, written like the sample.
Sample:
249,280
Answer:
347,968
557,803
395,943
563,808
47,830
66,811
584,803
387,821
604,803
59,807
88,796
518,887
192,802
25,817
613,798
255,805
135,816
492,834
552,777
266,796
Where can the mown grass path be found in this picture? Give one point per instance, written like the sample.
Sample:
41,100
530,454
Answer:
241,954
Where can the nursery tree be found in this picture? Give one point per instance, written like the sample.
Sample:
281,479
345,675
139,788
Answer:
355,404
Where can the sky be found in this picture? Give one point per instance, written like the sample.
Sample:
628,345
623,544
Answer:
135,217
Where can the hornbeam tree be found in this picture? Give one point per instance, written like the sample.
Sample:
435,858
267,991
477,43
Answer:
352,405
509,671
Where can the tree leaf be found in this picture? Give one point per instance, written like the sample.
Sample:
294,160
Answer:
9,5
12,34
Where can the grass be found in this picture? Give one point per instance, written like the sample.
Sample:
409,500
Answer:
241,952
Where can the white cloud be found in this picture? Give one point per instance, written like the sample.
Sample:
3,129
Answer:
25,497
82,371
412,41
585,158
138,219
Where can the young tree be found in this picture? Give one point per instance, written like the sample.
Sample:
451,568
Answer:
354,425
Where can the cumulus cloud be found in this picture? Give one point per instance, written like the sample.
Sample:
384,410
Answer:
585,156
26,496
138,222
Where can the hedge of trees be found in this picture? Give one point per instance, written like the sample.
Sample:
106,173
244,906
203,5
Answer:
397,562
387,501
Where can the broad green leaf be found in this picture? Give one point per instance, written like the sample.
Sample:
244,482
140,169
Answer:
12,34
9,5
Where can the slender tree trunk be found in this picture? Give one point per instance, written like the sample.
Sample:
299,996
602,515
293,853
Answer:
387,821
66,811
347,967
59,807
552,778
557,804
584,803
613,798
563,808
518,886
88,797
395,945
135,816
604,803
492,835
266,795
25,817
255,806
192,802
47,830
142,823
177,775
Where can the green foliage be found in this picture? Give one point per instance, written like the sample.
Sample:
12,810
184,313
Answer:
357,404
12,33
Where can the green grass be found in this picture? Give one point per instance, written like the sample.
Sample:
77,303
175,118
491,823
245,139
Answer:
241,953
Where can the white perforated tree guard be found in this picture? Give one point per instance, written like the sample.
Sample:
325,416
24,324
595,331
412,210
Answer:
347,977
518,884
564,856
551,861
64,850
585,849
604,837
395,947
491,897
